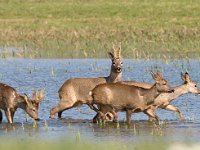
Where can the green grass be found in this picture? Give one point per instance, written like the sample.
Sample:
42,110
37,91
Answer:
87,28
75,145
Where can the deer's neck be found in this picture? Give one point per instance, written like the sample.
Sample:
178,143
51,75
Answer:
114,77
178,91
21,102
151,94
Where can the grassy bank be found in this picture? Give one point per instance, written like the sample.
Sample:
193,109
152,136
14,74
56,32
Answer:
75,145
87,28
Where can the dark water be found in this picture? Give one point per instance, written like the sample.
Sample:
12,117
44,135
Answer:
26,75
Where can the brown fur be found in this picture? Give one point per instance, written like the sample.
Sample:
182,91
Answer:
74,92
129,98
10,100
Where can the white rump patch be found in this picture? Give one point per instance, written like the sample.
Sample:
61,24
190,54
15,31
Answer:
90,93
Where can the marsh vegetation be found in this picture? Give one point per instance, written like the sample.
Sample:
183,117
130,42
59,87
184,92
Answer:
87,29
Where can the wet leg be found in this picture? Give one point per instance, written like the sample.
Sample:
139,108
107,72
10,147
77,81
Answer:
128,116
151,113
1,116
175,109
60,107
60,114
8,115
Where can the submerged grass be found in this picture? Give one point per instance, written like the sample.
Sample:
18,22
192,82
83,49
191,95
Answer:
87,28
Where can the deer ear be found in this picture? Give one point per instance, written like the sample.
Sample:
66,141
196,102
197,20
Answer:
183,76
187,77
153,75
26,99
111,55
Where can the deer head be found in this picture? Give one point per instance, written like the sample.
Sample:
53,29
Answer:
191,85
31,110
161,84
116,58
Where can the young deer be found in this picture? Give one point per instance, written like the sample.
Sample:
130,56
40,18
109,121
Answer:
163,100
113,115
10,100
129,98
74,92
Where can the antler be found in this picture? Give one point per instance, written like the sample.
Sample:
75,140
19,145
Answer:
41,95
117,52
159,74
34,95
38,99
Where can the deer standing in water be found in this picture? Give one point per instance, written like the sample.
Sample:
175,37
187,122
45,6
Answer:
129,98
74,92
164,99
10,100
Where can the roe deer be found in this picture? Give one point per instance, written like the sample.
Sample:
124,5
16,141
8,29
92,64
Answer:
10,100
163,100
129,98
74,92
113,114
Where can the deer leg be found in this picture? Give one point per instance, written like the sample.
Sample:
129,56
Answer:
151,113
115,117
1,116
12,115
128,116
100,113
60,114
103,110
8,115
176,109
150,119
59,108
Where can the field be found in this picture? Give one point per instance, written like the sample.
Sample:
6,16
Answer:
87,28
154,35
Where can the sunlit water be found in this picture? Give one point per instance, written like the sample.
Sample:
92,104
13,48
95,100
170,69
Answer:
28,74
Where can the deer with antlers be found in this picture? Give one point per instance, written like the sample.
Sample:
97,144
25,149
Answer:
10,100
74,92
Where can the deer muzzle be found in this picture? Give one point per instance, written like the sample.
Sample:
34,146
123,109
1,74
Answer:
37,119
171,91
119,69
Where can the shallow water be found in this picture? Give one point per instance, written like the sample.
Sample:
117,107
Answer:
27,74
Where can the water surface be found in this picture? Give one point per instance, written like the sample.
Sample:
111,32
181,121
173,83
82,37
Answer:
28,74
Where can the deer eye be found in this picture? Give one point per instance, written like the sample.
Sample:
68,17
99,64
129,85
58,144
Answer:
113,63
33,109
121,63
195,85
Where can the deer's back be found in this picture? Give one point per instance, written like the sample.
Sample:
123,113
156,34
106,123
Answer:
7,96
119,96
139,84
79,87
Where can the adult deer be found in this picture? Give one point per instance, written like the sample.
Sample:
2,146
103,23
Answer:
74,92
129,98
10,100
